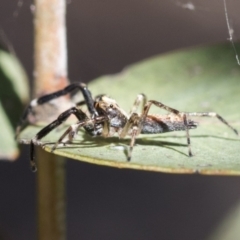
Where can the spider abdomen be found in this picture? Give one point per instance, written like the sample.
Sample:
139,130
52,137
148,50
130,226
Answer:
160,124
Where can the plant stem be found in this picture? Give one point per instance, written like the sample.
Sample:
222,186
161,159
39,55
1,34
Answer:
50,46
51,196
50,75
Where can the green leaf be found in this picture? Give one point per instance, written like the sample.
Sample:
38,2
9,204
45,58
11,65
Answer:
13,93
195,80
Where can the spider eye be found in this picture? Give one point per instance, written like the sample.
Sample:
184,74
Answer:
111,106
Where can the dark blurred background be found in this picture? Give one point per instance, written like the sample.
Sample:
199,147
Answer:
107,203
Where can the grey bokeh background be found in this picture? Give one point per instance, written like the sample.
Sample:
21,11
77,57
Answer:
106,203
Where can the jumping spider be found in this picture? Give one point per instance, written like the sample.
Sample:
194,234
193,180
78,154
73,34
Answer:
106,118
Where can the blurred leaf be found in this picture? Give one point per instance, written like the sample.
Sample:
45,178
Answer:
13,92
228,229
194,80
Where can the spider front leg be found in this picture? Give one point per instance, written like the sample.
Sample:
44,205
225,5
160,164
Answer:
80,115
93,127
70,132
47,98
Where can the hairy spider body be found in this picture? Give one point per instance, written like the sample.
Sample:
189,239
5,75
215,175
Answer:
106,119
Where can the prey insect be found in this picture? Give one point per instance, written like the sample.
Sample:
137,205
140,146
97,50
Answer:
106,118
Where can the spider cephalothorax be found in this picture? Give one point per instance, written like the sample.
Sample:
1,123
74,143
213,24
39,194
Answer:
108,107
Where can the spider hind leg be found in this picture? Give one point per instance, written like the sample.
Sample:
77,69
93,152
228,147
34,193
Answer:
213,114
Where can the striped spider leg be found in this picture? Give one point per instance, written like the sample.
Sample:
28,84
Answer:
47,98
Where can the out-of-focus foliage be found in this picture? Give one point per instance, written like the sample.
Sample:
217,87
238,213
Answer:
13,95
